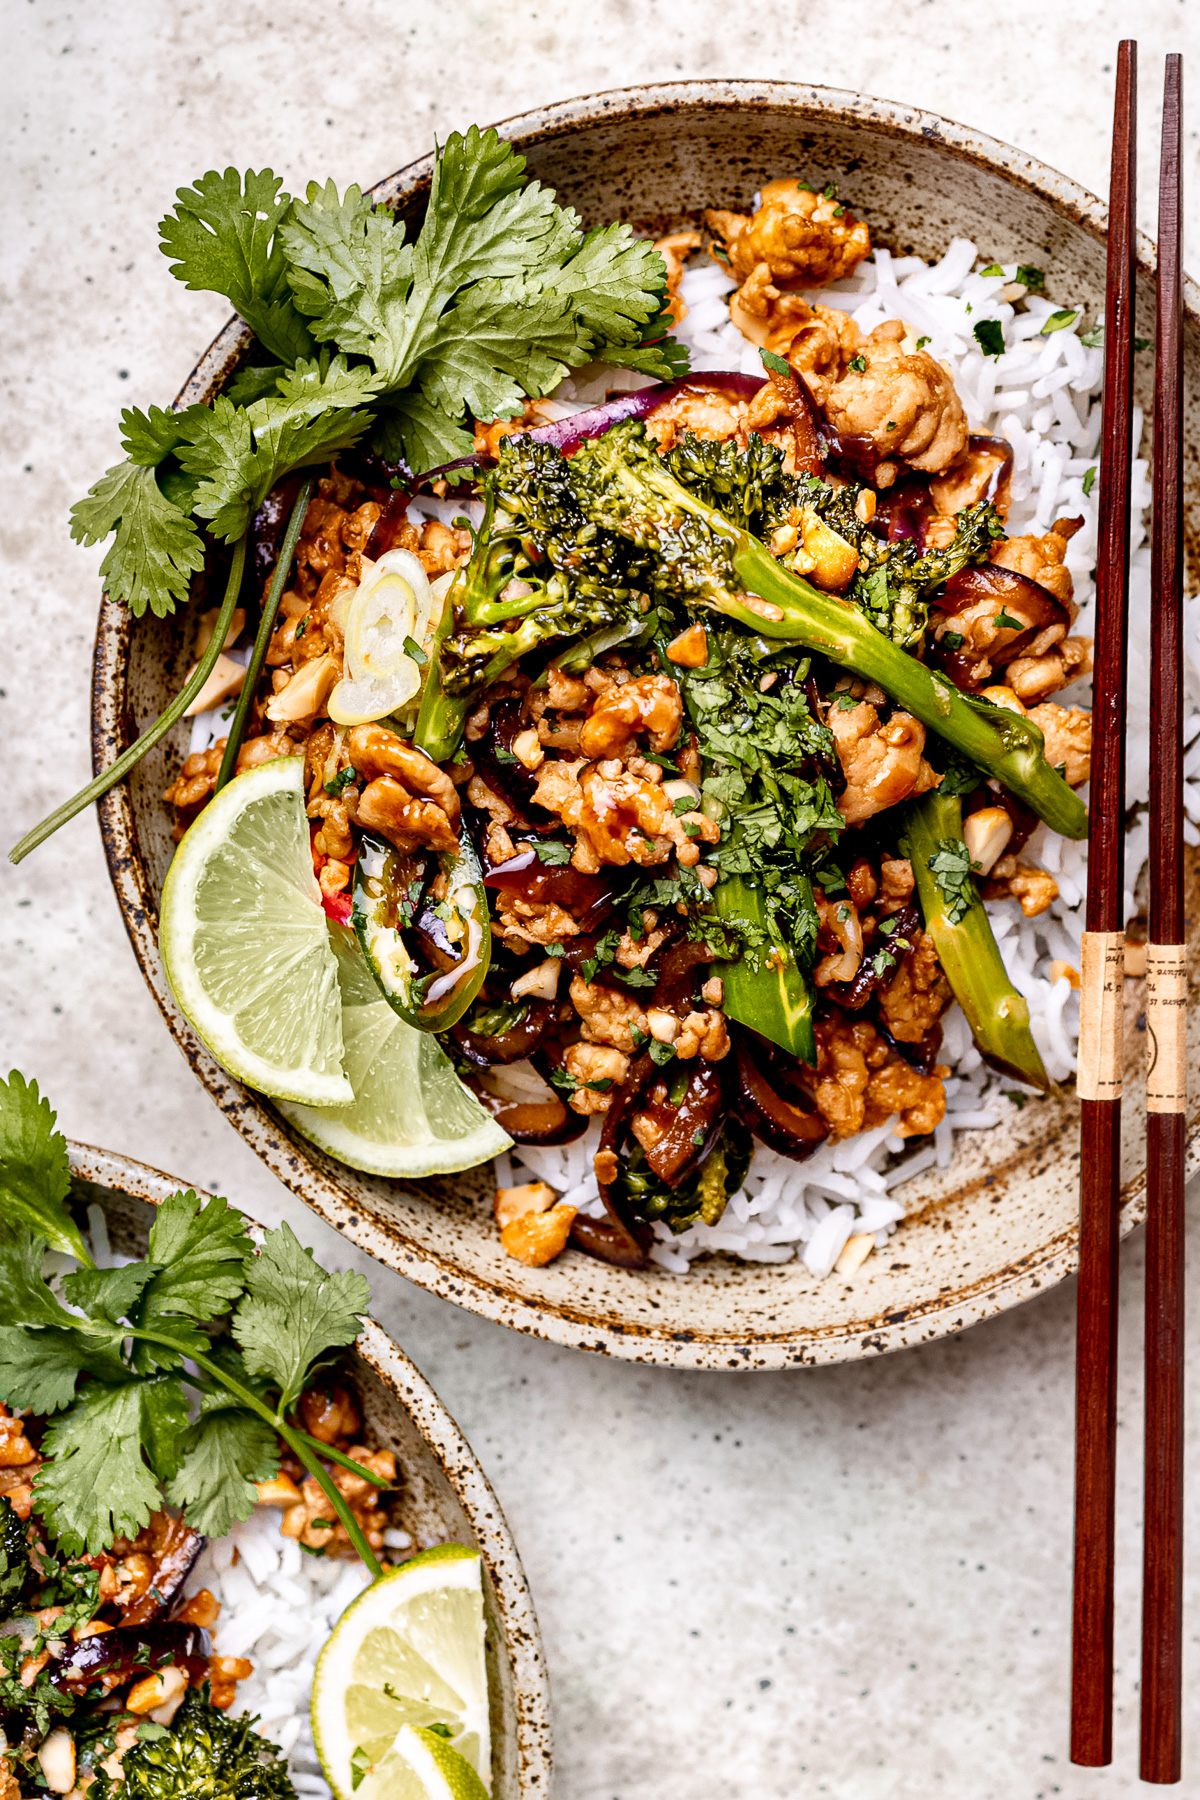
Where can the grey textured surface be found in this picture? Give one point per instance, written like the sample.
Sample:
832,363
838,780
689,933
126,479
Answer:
851,1581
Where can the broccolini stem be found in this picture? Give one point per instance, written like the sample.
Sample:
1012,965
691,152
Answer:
776,998
1004,744
169,715
262,641
997,1014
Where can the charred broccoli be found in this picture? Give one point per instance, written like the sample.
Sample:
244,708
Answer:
14,1559
540,570
896,581
202,1756
704,560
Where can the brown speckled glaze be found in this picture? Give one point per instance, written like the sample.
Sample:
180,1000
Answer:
1000,1224
445,1495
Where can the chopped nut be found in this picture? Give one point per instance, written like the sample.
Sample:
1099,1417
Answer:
56,1758
713,990
664,1026
201,1608
540,983
690,648
537,1238
986,834
1065,970
527,749
854,1253
224,678
514,1202
156,1690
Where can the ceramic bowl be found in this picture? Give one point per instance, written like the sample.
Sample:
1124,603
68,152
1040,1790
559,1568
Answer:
445,1496
1000,1223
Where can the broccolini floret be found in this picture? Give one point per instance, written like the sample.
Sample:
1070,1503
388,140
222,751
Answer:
702,560
203,1755
896,581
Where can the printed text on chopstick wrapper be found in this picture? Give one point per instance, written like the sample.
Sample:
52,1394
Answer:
1166,1028
1101,1015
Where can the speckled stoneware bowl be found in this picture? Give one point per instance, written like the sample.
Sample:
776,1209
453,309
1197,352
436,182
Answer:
445,1497
997,1226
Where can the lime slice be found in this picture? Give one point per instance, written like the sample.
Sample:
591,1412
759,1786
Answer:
407,1654
411,1115
245,943
421,1765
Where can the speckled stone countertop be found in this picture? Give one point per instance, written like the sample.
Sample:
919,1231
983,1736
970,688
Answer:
847,1581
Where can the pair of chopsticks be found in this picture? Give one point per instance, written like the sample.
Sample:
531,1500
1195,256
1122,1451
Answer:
1101,1003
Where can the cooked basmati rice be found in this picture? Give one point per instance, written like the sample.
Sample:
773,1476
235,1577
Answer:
1043,395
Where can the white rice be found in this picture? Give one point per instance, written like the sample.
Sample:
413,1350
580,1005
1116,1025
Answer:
1043,395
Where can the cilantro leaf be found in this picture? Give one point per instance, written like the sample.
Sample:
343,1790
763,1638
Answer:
157,547
108,1294
39,1369
950,867
224,237
95,1484
148,438
239,453
1058,321
24,1295
34,1175
200,1252
164,1420
550,851
1089,479
498,296
294,1311
221,1456
989,335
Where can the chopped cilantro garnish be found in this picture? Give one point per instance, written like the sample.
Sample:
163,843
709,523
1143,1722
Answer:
549,850
337,784
1094,338
950,867
1089,479
858,364
661,1053
989,335
414,650
992,269
922,341
1006,621
1030,277
1058,321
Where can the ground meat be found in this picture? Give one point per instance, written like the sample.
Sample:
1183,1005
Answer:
1068,735
966,484
594,1062
619,816
798,234
650,704
882,762
896,883
674,250
608,1017
1034,888
898,1088
861,1083
918,994
905,402
1041,559
522,922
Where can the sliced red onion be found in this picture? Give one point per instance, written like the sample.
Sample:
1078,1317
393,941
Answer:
567,434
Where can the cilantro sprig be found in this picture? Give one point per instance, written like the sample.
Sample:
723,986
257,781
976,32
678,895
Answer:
368,335
168,1380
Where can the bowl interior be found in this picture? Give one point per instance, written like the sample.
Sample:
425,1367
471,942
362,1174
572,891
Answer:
978,1237
444,1495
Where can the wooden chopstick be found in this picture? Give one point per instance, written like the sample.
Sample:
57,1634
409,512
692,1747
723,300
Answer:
1102,981
1166,1017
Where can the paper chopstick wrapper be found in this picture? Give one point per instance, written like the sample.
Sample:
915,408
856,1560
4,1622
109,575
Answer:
1166,1028
1101,1015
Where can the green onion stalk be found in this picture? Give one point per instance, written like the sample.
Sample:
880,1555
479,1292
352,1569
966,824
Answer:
262,641
774,998
169,716
958,923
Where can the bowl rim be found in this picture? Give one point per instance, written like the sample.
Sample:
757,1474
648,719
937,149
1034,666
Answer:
454,1456
562,1322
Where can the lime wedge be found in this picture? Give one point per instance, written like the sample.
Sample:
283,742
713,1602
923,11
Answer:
411,1115
406,1655
245,943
